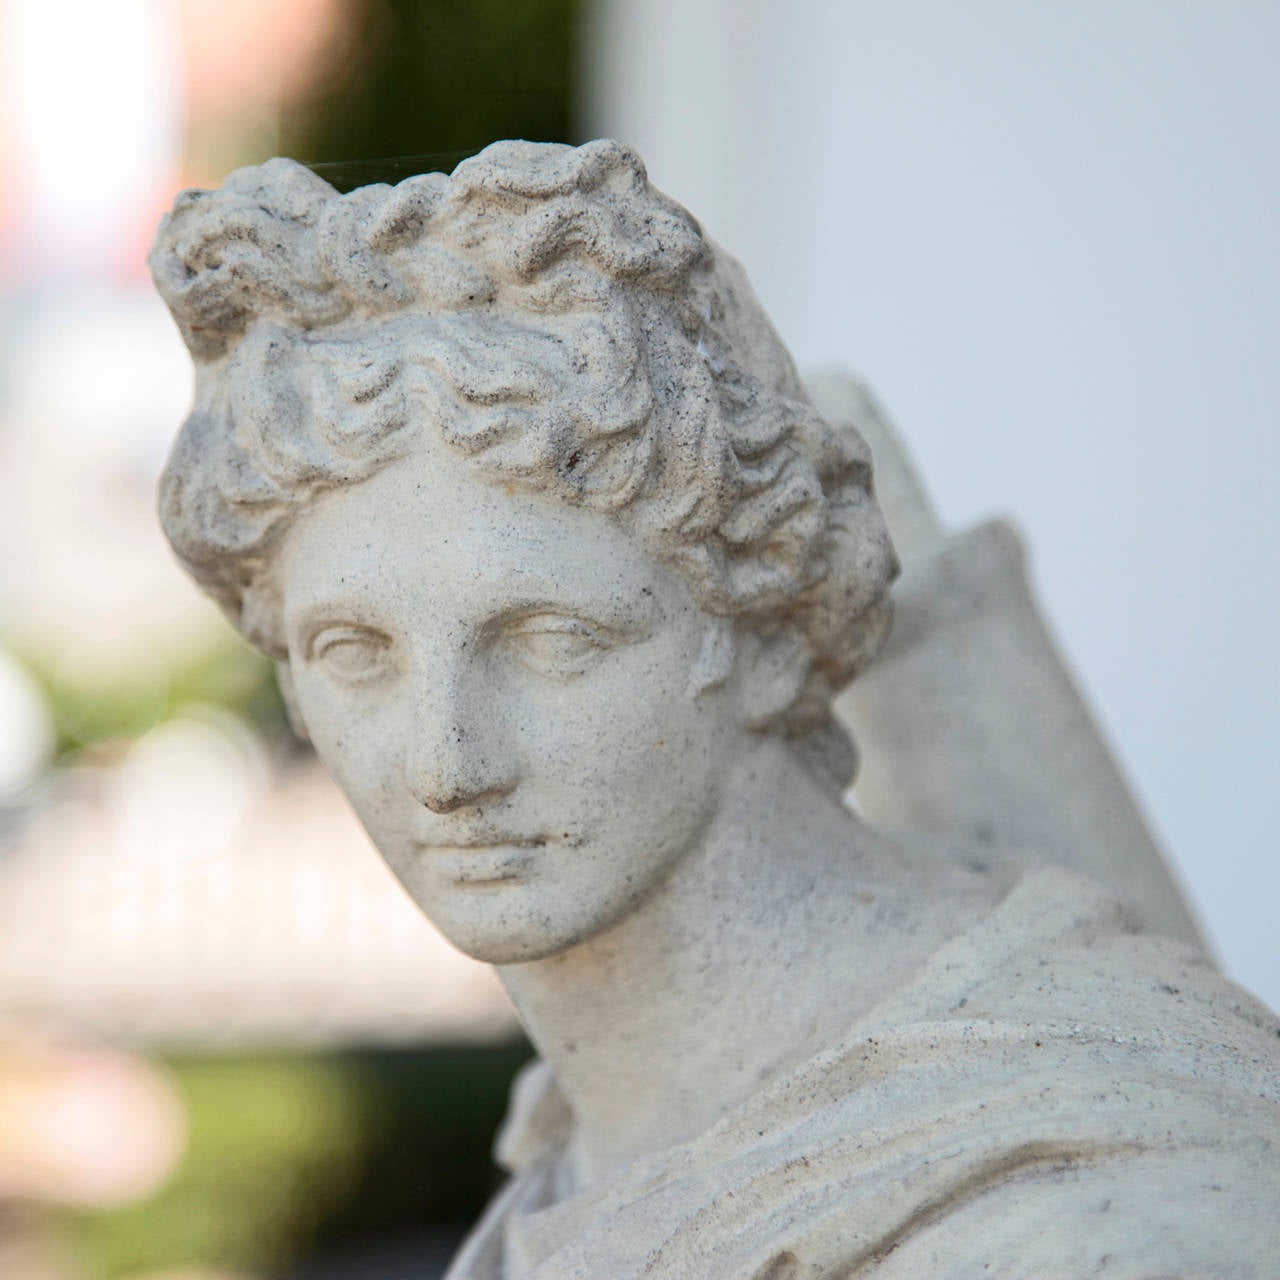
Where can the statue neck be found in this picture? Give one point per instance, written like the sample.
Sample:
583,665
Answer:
724,975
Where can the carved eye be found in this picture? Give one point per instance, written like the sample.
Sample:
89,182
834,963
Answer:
352,653
557,645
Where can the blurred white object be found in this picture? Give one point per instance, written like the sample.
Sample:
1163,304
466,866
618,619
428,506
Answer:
266,919
94,123
89,379
26,730
185,787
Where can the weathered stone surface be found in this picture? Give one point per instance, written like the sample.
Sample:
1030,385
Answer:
970,723
564,570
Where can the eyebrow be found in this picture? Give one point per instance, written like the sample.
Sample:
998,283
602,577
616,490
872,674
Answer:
609,612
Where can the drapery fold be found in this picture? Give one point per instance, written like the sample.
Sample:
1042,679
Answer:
1052,1095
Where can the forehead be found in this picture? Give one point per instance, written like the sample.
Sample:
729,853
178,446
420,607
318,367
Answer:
433,526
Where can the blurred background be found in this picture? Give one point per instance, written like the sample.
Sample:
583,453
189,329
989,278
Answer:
1046,236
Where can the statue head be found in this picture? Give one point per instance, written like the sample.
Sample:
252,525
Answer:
510,472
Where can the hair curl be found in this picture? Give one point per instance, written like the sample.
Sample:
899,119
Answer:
556,318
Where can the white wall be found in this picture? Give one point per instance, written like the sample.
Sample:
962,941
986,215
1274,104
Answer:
1049,235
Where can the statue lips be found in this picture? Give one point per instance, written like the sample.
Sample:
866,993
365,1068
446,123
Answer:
485,861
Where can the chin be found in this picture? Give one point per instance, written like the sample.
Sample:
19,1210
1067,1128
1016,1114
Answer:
511,946
509,949
514,933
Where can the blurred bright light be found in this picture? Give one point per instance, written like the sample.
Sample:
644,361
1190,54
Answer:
87,1127
186,787
95,382
91,97
26,729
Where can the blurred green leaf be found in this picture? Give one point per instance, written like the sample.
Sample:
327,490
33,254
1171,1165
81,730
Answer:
293,1154
125,704
439,76
275,1144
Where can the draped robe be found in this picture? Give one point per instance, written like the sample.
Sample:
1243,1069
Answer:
1051,1095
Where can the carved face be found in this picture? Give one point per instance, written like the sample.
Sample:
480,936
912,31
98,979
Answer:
501,686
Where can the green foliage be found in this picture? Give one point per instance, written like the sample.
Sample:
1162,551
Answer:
438,79
433,1113
93,708
291,1154
275,1144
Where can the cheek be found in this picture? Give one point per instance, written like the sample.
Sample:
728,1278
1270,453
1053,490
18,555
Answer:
628,735
357,739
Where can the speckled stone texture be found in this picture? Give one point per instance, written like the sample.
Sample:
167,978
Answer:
564,570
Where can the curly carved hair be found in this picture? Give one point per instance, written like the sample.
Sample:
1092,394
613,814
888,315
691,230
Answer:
557,319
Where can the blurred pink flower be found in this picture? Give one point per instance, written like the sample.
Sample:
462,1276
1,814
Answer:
84,1126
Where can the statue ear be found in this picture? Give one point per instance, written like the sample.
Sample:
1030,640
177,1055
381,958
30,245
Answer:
774,669
293,713
715,659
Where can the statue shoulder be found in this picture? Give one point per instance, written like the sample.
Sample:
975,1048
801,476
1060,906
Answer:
1049,1078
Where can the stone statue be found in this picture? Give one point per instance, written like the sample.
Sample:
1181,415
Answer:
510,473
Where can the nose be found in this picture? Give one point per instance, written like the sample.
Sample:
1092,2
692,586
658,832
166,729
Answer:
456,758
